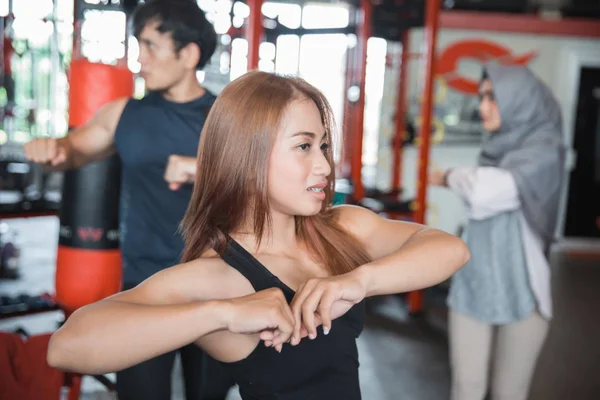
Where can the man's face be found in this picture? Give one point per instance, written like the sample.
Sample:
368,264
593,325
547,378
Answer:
161,66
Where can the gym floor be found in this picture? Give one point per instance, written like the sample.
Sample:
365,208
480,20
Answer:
401,357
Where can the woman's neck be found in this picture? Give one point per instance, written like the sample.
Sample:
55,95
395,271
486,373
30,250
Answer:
280,238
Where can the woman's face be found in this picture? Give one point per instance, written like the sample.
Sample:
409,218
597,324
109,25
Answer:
488,108
298,168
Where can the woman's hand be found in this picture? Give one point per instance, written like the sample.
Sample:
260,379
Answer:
265,312
321,300
437,177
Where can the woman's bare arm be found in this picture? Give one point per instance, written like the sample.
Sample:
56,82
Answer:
407,256
165,312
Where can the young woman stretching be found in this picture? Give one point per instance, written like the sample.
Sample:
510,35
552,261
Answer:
260,225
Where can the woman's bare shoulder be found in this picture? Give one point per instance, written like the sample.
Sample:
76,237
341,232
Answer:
206,278
352,218
214,277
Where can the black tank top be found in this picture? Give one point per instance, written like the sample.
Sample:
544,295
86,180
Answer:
324,368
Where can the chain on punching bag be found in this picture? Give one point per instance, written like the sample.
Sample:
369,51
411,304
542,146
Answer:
89,261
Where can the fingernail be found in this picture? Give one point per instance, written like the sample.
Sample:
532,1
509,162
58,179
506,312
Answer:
312,336
326,331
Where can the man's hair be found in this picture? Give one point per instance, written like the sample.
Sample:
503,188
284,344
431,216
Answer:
183,19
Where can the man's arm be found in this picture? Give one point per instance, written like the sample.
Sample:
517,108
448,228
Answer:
180,170
95,140
91,142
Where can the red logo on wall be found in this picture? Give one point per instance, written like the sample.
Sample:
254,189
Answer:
90,233
478,50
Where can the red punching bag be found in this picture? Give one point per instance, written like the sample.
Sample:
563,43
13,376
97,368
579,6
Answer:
88,265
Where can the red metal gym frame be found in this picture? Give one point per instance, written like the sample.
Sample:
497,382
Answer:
364,32
348,126
254,32
400,134
415,299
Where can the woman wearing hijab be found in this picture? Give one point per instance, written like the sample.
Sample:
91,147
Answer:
500,302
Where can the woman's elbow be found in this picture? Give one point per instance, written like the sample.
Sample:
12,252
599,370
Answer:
463,254
457,251
65,354
57,352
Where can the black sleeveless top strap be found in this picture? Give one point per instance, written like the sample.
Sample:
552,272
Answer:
324,368
256,273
